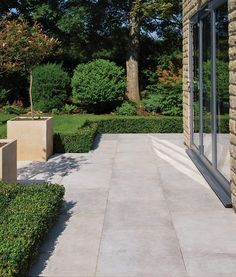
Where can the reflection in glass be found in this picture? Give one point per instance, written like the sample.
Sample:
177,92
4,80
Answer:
222,90
196,108
207,97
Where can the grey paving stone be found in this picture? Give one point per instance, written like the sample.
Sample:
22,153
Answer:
206,231
132,253
136,206
211,265
136,214
125,190
75,249
88,201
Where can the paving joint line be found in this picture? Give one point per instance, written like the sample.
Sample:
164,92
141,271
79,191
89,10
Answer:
105,213
167,201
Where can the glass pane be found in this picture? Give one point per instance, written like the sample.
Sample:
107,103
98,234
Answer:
207,104
222,90
196,108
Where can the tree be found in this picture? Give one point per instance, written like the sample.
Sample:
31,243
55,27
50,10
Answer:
134,21
101,29
140,10
22,47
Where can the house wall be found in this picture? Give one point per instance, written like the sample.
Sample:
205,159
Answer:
232,92
190,7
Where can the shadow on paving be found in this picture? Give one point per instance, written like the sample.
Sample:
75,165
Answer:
50,241
59,165
96,142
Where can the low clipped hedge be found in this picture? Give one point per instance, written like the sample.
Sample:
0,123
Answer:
82,140
118,125
79,142
27,214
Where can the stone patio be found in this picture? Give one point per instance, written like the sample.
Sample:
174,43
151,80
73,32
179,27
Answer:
136,206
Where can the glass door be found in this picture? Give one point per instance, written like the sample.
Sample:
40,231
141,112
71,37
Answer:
195,86
206,86
210,87
222,90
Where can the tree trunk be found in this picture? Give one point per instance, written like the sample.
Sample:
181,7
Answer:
30,95
132,59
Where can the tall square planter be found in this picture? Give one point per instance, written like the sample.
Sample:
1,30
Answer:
34,137
8,164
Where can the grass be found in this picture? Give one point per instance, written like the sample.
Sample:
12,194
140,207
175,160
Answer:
66,124
3,131
62,123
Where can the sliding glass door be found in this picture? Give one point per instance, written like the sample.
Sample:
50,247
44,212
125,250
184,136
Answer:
210,87
222,91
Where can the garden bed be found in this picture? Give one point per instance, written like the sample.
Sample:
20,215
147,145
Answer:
27,213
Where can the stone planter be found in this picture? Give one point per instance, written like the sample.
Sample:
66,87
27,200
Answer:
34,137
8,164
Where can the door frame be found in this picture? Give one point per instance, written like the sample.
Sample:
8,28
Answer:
219,183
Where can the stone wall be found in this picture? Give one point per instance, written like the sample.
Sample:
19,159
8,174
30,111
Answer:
190,7
232,91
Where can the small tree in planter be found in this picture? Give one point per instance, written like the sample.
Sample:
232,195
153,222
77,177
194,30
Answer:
22,47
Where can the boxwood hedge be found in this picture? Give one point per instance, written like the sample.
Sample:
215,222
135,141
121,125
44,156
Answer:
82,140
79,142
139,124
27,213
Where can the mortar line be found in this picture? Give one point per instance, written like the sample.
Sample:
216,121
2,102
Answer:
105,213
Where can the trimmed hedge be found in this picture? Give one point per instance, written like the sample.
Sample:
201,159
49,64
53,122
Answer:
118,125
79,142
27,214
82,140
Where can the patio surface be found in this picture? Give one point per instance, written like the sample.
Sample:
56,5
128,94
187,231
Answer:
136,206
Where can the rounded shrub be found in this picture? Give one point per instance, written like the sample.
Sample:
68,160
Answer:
50,83
127,108
99,85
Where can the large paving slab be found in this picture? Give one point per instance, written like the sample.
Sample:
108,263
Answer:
135,206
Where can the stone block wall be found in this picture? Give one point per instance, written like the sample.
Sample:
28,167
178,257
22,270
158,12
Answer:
232,92
190,7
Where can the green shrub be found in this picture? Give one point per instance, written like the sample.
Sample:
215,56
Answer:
27,214
135,124
50,83
165,99
4,96
69,109
79,142
127,108
99,85
13,109
55,111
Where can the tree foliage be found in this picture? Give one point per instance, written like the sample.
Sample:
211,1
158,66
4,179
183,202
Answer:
100,29
22,46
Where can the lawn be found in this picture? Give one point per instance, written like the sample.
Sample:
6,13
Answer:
66,124
62,123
